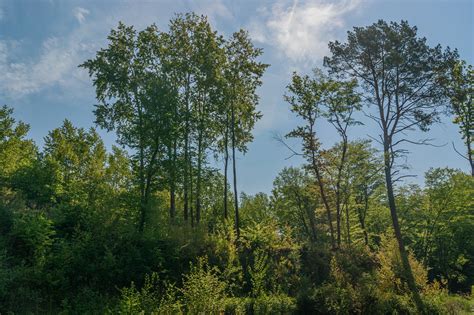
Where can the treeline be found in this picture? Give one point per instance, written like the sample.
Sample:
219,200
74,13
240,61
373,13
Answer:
150,227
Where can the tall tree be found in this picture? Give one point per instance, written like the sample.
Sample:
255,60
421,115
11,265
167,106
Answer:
312,98
340,102
460,87
191,49
242,75
133,96
400,76
210,61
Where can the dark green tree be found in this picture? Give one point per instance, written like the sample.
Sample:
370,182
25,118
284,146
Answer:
135,100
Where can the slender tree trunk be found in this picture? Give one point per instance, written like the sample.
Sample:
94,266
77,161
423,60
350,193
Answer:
322,192
186,181
201,149
236,196
469,154
173,182
198,183
348,224
338,189
143,210
186,156
141,171
338,224
191,194
409,278
226,162
141,223
149,176
338,212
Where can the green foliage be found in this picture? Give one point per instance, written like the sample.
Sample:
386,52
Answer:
69,242
32,236
203,291
16,151
392,291
460,90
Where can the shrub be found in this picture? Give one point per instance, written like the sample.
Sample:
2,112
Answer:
203,291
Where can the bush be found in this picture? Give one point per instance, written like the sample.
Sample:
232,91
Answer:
203,291
393,293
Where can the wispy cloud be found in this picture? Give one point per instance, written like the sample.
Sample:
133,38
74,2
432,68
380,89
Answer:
80,14
300,30
55,63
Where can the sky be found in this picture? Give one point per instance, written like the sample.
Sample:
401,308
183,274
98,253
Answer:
43,41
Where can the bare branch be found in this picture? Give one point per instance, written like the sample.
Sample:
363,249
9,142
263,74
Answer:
420,142
279,138
460,154
403,176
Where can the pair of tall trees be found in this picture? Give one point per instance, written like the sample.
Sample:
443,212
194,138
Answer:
172,98
311,99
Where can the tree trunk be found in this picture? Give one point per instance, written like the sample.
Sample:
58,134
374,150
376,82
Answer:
173,180
338,190
469,154
186,181
141,171
236,196
338,224
409,278
198,183
226,163
348,225
323,193
366,236
186,156
191,191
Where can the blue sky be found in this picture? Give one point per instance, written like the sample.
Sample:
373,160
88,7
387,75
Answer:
42,42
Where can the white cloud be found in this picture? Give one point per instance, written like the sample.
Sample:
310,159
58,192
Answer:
56,61
80,14
56,65
301,30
